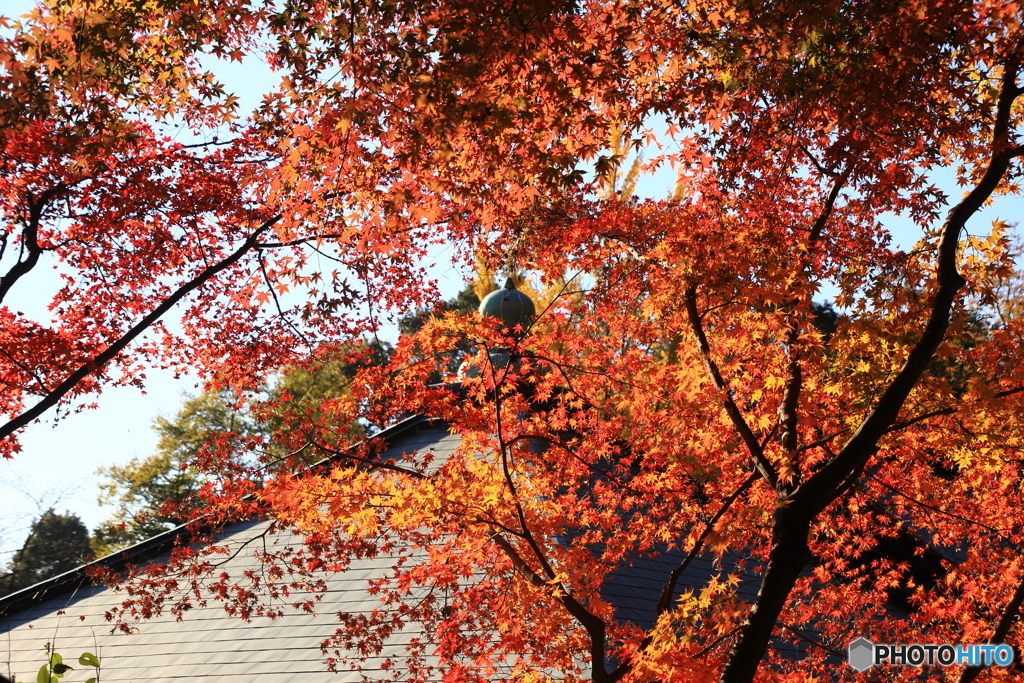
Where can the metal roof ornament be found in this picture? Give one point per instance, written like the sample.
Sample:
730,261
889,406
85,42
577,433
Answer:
510,306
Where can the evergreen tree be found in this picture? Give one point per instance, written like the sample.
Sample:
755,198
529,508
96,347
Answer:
465,302
55,544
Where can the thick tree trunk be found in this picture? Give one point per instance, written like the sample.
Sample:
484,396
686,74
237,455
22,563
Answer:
789,555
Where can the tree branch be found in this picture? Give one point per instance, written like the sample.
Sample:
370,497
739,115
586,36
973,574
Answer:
915,501
669,590
704,348
1002,630
374,464
944,411
819,490
593,624
297,242
794,514
29,241
789,415
111,352
806,638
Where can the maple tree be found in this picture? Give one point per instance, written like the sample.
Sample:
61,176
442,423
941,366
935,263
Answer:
97,183
677,393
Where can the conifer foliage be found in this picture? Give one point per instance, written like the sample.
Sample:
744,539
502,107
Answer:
55,544
679,392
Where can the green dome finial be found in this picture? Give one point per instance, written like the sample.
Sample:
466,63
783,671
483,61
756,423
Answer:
509,305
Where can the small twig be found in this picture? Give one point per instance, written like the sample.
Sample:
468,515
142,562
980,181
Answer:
668,591
714,643
298,241
895,490
812,641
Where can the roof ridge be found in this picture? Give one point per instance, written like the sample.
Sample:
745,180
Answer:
143,550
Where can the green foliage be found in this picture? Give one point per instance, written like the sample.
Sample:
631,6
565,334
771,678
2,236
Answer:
55,668
154,494
298,413
55,544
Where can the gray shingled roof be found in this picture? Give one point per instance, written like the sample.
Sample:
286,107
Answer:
208,644
217,648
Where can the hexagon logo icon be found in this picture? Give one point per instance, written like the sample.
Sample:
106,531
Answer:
860,654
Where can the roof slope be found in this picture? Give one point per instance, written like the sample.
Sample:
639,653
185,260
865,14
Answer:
218,648
209,644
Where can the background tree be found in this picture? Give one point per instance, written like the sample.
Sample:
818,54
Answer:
158,492
56,544
30,500
308,407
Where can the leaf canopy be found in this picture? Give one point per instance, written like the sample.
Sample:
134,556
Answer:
679,393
